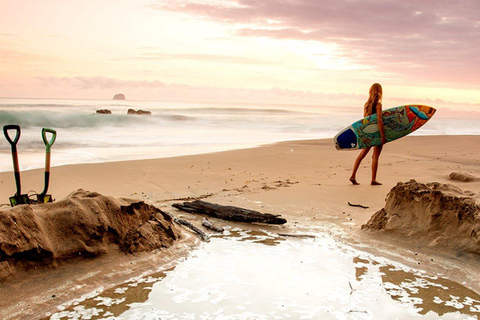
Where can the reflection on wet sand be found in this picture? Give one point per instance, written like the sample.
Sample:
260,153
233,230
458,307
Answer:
255,236
427,293
247,274
436,294
113,301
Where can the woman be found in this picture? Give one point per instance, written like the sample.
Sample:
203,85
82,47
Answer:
372,106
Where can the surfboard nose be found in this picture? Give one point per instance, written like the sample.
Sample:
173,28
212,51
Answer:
430,111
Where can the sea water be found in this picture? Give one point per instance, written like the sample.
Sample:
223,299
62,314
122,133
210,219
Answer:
257,274
175,128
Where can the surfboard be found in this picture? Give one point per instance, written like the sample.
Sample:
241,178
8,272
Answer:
397,122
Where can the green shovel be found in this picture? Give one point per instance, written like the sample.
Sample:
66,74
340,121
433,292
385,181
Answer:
44,197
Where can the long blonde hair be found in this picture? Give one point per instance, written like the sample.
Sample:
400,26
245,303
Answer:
374,97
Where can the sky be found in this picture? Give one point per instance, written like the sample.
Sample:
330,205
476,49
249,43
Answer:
247,51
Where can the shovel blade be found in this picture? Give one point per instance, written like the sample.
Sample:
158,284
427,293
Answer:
44,198
19,199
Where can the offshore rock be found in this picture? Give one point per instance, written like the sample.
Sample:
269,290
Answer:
119,96
103,111
139,112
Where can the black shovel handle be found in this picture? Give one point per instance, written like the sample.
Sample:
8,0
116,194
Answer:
13,143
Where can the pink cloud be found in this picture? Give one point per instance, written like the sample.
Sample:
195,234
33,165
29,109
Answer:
98,87
428,41
202,57
97,83
204,93
16,56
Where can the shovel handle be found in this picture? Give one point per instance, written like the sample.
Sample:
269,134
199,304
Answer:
48,144
13,142
16,167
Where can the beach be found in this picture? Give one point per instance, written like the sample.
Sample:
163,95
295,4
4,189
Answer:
196,156
195,153
304,181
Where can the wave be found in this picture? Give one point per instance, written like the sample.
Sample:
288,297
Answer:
68,120
232,110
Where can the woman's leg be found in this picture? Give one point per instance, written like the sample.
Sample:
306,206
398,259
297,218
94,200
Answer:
359,159
376,154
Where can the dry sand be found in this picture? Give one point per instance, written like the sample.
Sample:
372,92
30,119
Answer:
304,181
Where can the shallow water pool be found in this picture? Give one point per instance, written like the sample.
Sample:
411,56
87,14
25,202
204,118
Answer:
256,274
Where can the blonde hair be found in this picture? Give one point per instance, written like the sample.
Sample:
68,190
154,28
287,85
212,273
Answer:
374,97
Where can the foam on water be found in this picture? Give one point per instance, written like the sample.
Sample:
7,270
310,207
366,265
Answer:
256,274
174,128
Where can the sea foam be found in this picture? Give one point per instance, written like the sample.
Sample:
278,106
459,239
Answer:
174,128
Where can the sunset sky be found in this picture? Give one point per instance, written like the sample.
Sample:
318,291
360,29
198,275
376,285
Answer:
256,51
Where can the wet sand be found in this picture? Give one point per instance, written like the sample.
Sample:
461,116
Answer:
253,273
304,181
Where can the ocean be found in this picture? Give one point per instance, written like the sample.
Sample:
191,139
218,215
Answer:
177,128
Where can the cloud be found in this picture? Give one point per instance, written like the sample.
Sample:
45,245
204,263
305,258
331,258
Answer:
16,56
203,57
98,82
436,41
153,89
204,93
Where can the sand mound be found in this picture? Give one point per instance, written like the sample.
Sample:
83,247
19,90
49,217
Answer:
84,224
464,177
439,214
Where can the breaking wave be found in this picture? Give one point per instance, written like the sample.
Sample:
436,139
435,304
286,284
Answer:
33,119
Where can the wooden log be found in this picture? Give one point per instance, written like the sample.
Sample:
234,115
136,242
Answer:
296,235
228,212
195,229
189,225
357,205
209,225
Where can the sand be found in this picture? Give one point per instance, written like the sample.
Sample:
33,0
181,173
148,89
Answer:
304,181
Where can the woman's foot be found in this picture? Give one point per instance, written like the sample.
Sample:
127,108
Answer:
376,183
354,181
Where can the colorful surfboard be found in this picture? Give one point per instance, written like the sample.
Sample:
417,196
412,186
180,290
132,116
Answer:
397,123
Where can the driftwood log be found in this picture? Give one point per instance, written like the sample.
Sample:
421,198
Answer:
189,225
357,205
296,235
228,212
211,226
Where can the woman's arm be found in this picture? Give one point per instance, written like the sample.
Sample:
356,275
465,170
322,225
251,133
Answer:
380,123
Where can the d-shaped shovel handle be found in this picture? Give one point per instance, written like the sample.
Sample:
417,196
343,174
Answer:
48,144
13,142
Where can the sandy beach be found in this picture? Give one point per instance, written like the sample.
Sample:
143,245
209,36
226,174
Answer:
193,152
304,181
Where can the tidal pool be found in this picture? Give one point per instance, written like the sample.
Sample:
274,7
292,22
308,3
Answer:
256,274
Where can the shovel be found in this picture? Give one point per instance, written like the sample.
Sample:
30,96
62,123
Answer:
18,198
44,197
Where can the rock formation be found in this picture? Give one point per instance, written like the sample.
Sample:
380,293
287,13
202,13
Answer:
436,214
84,224
464,177
119,96
104,111
139,112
